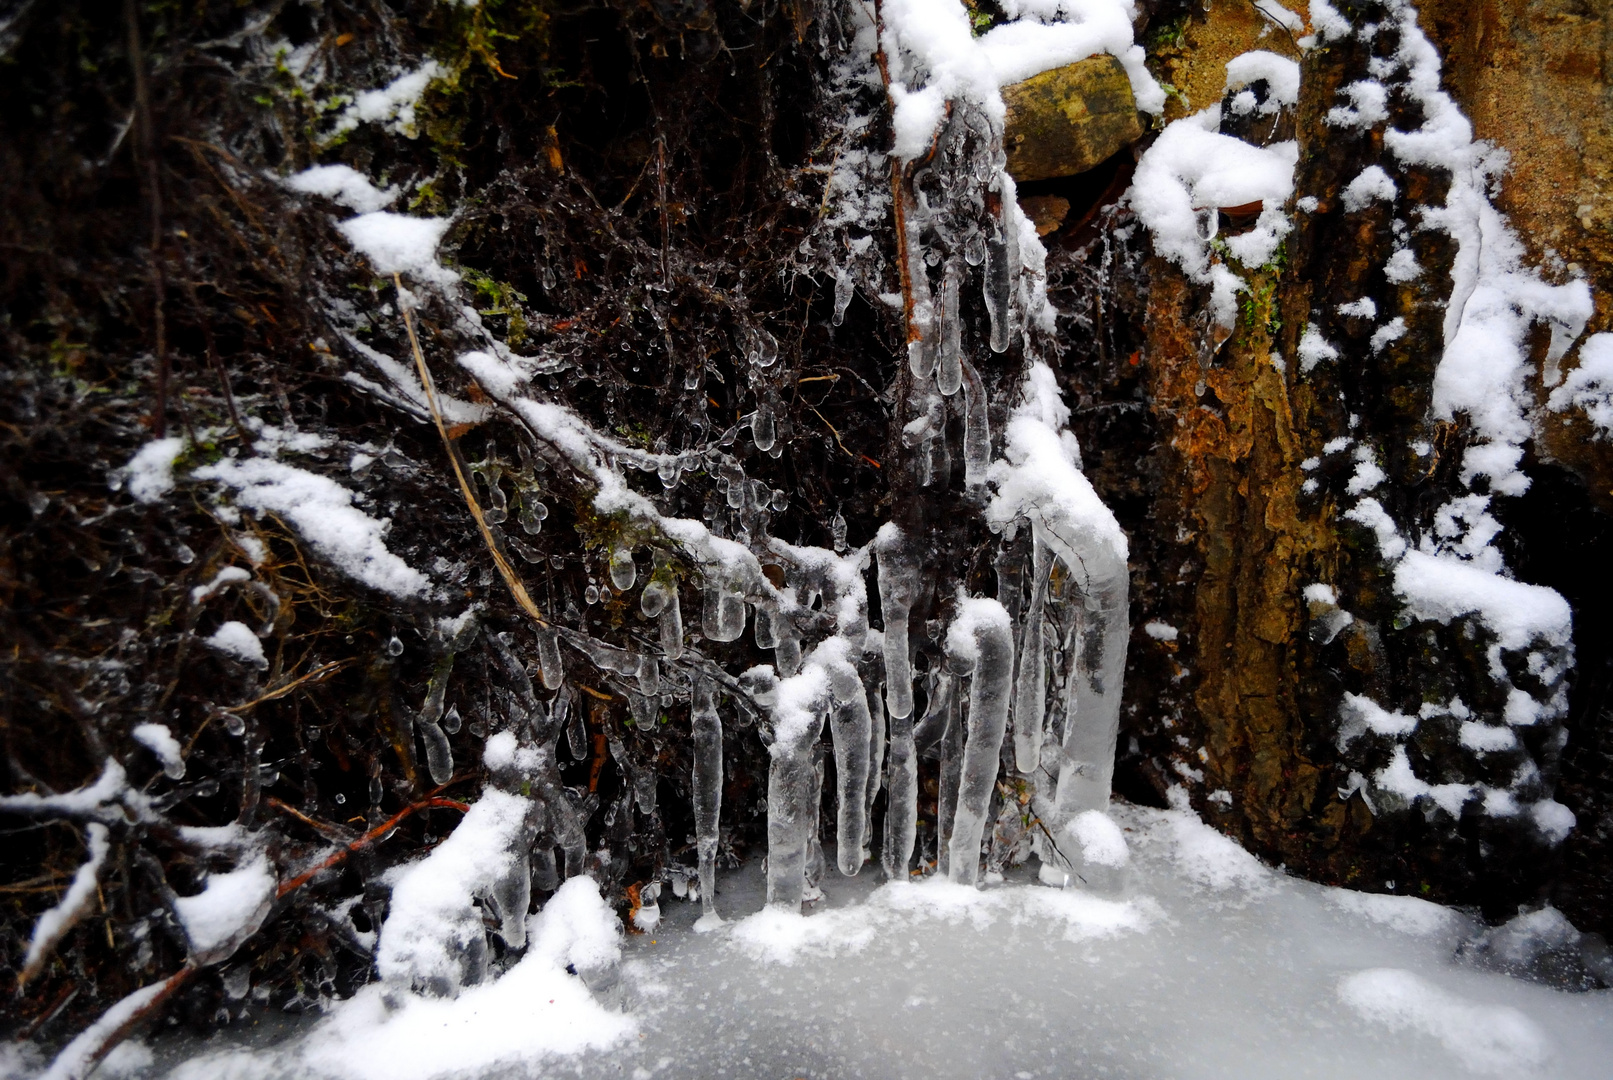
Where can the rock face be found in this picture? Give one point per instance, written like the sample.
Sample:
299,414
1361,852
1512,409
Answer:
1255,678
1536,78
1068,120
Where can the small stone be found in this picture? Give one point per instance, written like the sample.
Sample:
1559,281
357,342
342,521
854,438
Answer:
1068,120
1047,212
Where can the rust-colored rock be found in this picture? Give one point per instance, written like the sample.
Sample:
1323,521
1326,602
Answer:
1047,212
1068,120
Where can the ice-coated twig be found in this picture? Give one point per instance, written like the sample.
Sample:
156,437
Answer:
54,924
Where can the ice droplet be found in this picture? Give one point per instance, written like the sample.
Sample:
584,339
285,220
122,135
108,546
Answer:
622,570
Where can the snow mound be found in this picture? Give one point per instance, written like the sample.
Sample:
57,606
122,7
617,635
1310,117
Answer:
1485,1038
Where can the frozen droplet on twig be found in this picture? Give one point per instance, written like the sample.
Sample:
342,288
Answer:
623,572
843,293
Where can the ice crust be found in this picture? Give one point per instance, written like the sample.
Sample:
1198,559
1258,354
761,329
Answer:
1211,966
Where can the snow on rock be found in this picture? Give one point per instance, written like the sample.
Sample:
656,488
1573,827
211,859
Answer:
1187,175
149,475
934,57
1358,715
322,512
1280,74
237,641
1444,587
343,184
1590,385
1160,631
1486,1038
228,910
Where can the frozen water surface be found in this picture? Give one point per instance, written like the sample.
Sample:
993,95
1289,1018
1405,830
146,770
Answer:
1207,964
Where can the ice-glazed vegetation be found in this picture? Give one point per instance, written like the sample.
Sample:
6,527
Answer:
571,537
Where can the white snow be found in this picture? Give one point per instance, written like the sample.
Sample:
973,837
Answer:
322,512
1160,631
1484,1038
1407,914
228,910
1212,966
57,920
1280,73
1590,385
343,184
1190,172
1443,587
1370,184
392,105
149,475
398,243
432,920
1099,839
236,640
161,742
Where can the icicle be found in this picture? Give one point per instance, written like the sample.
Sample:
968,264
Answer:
837,533
787,653
763,431
791,809
949,375
654,599
1092,697
644,710
766,354
950,752
1030,692
898,582
851,731
976,428
552,669
623,572
708,776
512,895
876,763
671,626
1002,263
730,615
812,872
765,637
649,675
843,293
901,798
439,755
981,642
576,730
921,350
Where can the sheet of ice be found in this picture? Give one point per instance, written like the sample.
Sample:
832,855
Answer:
1485,1038
323,513
1197,974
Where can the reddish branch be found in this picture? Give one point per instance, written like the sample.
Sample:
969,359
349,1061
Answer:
379,832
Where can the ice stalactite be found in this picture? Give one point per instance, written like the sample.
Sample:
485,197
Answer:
980,644
851,727
707,778
798,714
1030,688
901,799
898,582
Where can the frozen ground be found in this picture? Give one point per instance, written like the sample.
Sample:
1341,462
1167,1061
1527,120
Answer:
1208,965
